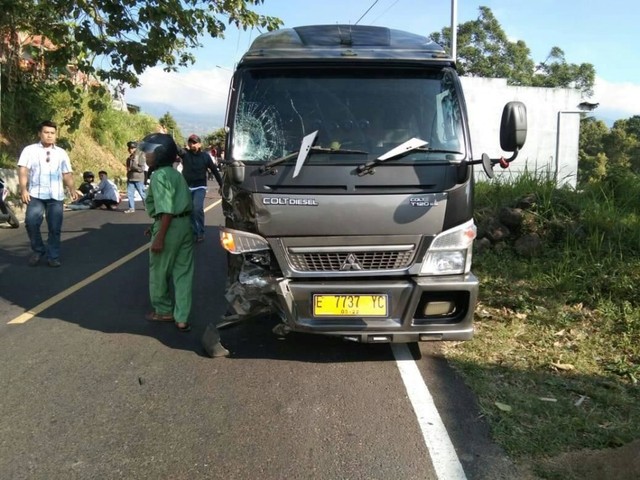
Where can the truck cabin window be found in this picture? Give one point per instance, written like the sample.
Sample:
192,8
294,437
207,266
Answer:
371,111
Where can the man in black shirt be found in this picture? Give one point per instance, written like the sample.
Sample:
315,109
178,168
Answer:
195,165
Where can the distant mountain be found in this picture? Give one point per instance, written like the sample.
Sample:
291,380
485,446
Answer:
188,122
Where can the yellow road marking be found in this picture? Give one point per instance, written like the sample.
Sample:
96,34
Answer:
29,314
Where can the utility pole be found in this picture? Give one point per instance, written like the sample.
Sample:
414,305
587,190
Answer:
454,29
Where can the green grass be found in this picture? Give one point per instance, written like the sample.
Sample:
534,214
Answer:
555,361
7,161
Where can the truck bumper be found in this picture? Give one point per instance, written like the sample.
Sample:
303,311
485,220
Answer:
418,308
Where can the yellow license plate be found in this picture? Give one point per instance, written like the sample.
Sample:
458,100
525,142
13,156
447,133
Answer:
362,305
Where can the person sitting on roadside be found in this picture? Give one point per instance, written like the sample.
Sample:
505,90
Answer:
106,193
86,190
87,185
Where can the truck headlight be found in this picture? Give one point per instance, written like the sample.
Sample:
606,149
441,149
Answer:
450,252
237,242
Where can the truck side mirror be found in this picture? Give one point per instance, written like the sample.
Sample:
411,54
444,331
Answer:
487,165
513,127
513,134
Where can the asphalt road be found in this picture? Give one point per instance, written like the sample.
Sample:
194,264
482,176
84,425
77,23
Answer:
90,390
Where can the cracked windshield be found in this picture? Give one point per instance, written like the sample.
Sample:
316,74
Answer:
371,111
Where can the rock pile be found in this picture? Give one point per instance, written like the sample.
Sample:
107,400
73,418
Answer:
520,227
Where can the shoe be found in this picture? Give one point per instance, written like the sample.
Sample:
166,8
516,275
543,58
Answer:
183,327
34,259
54,262
129,210
159,317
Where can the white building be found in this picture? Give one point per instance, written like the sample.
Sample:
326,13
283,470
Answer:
553,119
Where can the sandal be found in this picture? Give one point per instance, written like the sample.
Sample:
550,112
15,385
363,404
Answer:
159,317
184,328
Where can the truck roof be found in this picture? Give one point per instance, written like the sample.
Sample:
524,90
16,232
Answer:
347,42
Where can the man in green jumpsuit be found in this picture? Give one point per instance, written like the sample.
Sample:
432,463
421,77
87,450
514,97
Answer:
169,203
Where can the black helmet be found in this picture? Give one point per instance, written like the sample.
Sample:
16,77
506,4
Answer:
132,144
162,145
88,176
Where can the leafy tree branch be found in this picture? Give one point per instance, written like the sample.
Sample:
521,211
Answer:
117,40
485,51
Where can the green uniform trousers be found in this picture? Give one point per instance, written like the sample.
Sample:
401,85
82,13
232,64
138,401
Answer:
174,264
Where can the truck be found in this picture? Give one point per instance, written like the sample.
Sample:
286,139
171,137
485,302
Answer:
348,185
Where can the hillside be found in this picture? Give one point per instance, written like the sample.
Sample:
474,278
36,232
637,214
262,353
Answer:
94,138
87,154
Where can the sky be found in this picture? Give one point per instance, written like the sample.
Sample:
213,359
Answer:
603,33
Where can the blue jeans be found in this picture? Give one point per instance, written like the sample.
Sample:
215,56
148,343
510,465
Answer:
131,193
52,210
197,214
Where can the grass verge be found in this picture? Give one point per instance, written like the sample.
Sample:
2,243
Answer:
555,361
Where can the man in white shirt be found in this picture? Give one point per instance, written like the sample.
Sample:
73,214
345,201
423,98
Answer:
106,193
44,169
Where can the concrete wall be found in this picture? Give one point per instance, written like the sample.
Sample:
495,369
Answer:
486,98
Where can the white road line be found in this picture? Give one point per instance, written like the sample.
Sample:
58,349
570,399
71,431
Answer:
33,312
443,455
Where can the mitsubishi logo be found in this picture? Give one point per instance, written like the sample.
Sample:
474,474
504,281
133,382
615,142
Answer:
351,263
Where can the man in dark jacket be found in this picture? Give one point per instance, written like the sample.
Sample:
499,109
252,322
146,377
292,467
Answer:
195,165
135,176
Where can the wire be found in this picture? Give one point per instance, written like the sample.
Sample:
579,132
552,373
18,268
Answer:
372,5
388,8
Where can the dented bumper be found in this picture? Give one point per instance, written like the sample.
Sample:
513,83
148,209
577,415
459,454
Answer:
409,308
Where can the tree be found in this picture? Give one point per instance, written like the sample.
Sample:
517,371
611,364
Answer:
622,144
632,125
116,40
485,51
604,150
169,124
556,72
592,161
67,47
216,138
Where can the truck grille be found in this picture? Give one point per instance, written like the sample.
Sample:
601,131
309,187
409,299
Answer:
351,261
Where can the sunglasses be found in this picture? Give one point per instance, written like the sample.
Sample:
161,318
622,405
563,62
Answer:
48,156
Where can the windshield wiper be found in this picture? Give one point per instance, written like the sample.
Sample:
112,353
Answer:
277,161
305,148
302,155
411,145
405,147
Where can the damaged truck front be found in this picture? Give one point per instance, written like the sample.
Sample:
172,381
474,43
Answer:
348,186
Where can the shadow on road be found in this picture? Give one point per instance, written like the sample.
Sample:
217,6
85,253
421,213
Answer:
255,339
117,302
